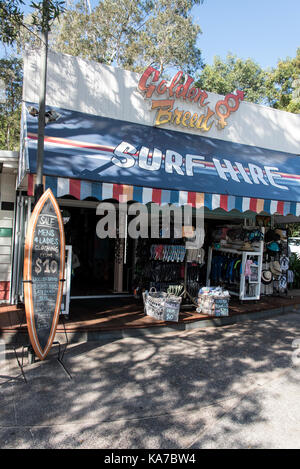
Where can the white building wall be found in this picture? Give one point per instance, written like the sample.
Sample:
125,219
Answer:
88,87
7,206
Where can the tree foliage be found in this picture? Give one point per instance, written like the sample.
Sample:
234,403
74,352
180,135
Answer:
45,12
10,109
12,22
280,84
131,33
225,76
108,34
295,101
278,87
11,18
169,37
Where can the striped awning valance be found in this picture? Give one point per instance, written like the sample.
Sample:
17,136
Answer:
81,190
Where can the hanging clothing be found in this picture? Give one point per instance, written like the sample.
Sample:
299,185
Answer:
195,255
290,276
225,269
249,262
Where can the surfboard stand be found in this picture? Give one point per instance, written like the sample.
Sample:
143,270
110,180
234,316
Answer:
61,354
60,357
15,346
21,365
31,354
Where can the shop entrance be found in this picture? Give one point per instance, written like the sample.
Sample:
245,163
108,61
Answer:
92,258
101,268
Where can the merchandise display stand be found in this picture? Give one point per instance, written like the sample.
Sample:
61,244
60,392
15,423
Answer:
255,278
185,292
277,263
167,268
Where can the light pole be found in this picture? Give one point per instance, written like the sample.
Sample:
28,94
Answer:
39,186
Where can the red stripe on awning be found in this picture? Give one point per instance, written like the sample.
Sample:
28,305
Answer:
156,196
117,191
75,188
192,198
253,205
280,207
224,202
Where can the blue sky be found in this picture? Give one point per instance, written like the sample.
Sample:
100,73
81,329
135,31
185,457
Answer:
264,30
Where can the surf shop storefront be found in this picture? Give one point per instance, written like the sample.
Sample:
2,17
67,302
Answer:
113,135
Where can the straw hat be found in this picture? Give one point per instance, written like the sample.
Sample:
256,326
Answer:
275,268
281,233
266,277
247,247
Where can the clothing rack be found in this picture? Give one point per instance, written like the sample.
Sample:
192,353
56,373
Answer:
171,256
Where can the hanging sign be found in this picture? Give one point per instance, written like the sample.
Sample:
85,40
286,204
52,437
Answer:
44,264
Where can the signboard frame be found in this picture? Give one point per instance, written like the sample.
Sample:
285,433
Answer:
29,254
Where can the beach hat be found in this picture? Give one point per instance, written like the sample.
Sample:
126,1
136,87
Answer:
255,235
273,246
247,247
266,277
271,235
281,233
275,268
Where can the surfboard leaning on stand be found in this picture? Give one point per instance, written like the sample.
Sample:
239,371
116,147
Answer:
43,276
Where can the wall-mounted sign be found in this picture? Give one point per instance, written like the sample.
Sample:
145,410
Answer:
5,232
164,94
44,263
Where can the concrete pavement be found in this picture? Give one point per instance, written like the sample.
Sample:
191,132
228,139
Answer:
229,387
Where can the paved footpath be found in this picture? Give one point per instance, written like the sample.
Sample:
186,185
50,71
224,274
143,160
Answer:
228,387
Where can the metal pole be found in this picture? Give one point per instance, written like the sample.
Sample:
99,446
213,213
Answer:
15,263
39,187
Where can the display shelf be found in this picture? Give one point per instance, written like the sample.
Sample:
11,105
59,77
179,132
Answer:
234,293
236,251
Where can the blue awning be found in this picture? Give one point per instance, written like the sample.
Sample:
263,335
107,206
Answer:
102,150
81,190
